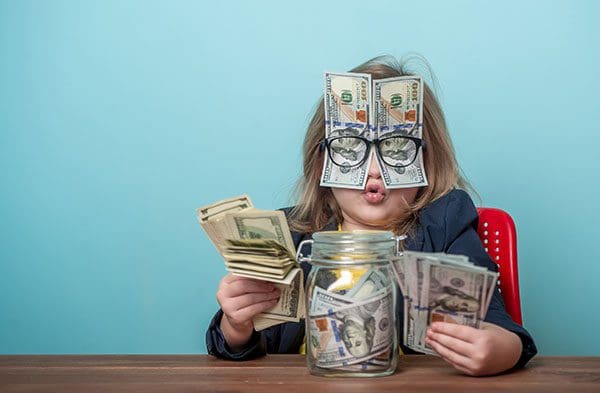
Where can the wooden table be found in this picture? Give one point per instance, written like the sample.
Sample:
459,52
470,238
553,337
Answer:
277,373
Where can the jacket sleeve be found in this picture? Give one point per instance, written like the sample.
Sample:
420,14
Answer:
216,345
461,221
286,337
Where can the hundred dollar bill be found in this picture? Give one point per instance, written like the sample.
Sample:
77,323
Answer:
453,294
268,262
413,283
263,323
211,217
257,245
370,282
261,224
398,110
379,363
347,113
397,265
222,207
265,271
323,300
492,281
290,306
352,334
489,280
285,280
426,260
258,257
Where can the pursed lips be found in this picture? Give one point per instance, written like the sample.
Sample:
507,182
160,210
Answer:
374,191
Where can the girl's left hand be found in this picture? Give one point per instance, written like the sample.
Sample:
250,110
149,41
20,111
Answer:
485,351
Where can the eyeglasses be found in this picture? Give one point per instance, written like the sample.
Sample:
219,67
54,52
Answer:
397,151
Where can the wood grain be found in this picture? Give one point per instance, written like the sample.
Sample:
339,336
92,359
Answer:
276,373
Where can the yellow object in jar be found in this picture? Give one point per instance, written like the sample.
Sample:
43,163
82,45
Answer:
347,278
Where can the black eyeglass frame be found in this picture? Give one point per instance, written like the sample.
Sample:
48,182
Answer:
325,143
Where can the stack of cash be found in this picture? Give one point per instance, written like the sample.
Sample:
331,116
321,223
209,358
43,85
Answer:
257,244
350,320
264,259
441,287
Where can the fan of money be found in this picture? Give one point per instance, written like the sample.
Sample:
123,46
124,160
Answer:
257,244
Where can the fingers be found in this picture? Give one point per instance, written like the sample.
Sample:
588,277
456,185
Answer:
457,345
458,361
242,298
229,278
232,286
249,299
248,312
472,351
461,332
454,343
243,315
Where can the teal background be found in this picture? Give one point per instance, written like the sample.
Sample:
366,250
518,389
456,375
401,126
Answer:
119,118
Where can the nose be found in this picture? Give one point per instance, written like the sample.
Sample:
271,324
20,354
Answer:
374,171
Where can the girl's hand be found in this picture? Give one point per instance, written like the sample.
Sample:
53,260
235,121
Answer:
241,299
476,352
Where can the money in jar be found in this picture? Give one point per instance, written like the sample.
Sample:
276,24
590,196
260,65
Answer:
350,303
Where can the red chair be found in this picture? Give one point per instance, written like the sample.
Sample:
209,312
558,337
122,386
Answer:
499,237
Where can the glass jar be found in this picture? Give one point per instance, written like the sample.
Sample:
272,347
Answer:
350,303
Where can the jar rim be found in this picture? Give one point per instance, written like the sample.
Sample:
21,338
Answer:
324,262
341,237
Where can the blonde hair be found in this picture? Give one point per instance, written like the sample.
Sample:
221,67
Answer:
317,206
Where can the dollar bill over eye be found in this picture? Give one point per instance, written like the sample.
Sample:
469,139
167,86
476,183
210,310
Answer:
347,100
398,114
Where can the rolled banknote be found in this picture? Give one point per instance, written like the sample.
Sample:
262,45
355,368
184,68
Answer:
370,282
352,334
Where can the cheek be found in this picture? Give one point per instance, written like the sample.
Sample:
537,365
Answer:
403,195
345,196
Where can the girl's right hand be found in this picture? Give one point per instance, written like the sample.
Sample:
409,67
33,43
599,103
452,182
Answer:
241,299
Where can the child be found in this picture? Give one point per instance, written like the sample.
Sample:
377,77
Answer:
439,217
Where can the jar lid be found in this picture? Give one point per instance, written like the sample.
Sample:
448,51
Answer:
357,236
353,247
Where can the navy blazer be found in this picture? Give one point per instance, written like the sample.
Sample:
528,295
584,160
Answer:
448,224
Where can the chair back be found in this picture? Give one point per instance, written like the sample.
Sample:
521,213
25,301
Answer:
499,237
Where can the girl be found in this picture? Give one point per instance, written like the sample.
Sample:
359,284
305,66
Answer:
439,217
